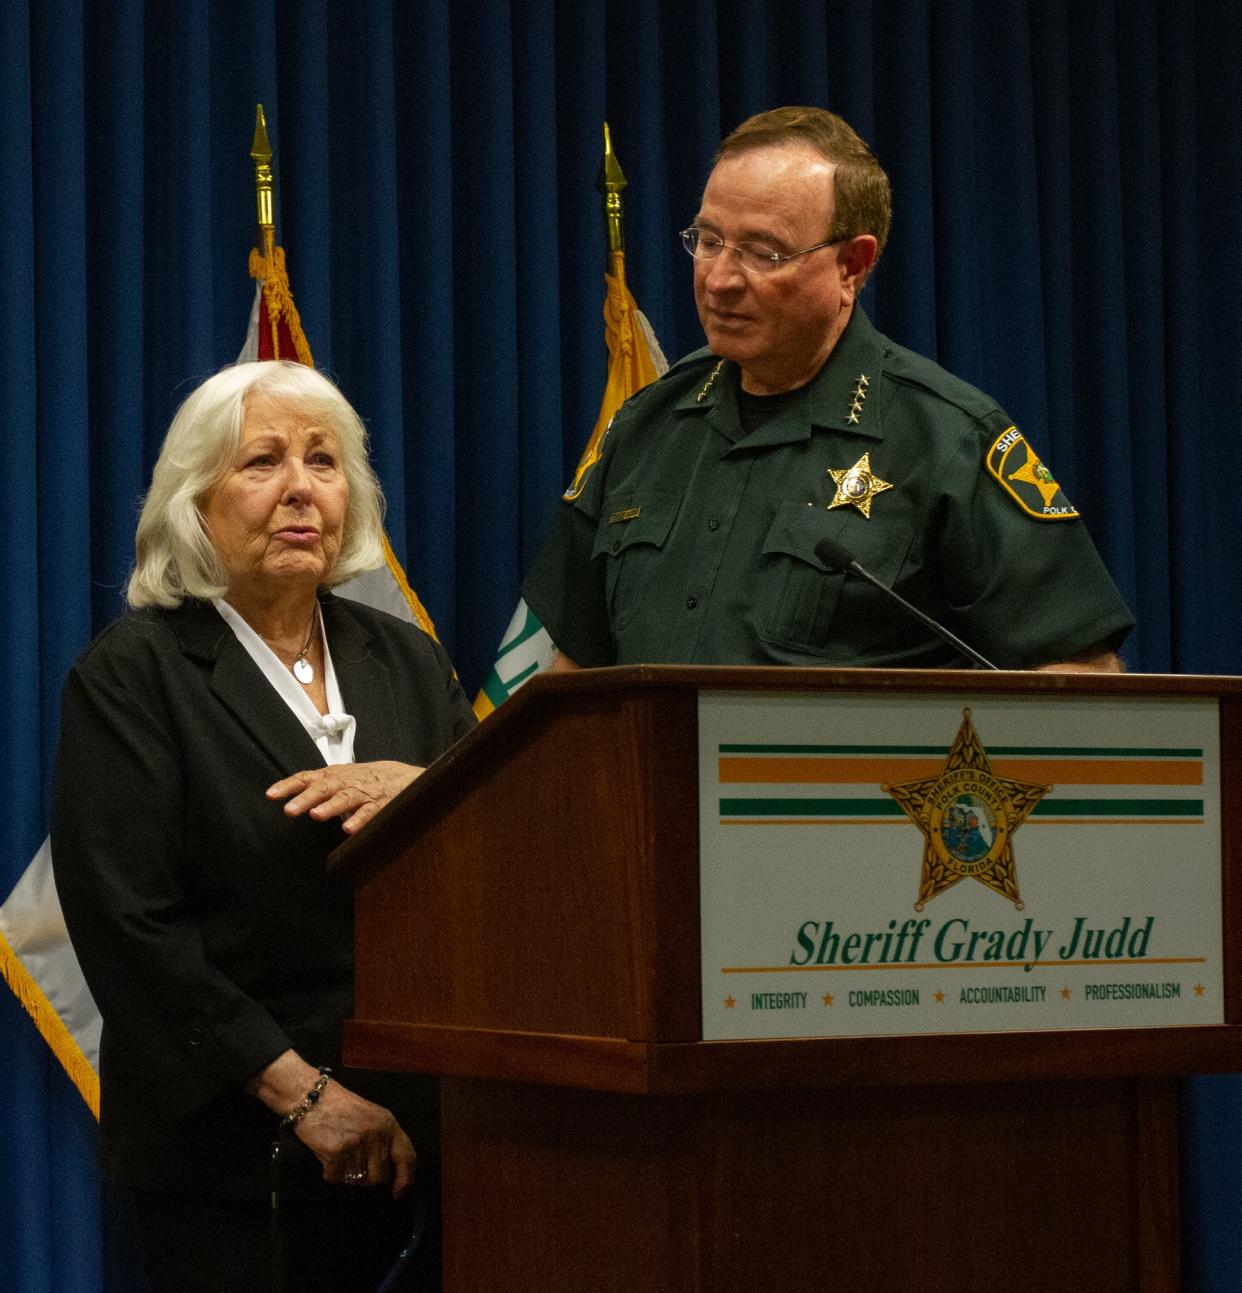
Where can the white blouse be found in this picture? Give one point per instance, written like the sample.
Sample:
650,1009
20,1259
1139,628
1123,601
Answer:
332,732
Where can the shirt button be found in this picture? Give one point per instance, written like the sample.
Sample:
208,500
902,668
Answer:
194,1035
713,524
691,603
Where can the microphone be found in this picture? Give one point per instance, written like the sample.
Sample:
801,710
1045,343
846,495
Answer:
836,556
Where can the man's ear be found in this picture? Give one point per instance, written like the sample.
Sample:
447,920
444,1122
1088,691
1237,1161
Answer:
856,259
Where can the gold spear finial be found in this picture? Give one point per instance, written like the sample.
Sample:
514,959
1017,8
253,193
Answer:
261,152
611,181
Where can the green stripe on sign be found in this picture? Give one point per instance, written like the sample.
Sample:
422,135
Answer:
1119,808
941,750
810,808
1050,751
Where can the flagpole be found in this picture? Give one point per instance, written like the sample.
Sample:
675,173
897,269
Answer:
379,587
611,181
261,153
634,359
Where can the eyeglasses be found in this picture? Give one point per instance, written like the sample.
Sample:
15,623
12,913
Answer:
753,257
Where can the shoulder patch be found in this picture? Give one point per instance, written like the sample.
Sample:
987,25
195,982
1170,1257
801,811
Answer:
1014,466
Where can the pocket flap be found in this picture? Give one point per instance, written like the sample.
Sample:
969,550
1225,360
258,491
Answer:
797,528
631,519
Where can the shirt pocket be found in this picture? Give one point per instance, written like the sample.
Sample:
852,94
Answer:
799,593
633,531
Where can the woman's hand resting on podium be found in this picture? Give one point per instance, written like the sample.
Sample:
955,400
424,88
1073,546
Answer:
352,791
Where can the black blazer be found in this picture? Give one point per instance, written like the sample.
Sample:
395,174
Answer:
207,928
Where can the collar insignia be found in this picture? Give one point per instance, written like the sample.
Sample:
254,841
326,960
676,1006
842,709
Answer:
860,394
711,381
968,817
858,485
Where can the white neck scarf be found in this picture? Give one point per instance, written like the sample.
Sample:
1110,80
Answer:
332,732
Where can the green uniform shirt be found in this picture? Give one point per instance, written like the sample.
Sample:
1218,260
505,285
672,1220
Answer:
691,541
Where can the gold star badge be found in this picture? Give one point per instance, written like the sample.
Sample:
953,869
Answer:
857,485
968,818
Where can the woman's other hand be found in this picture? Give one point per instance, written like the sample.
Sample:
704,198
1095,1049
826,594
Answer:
352,791
358,1142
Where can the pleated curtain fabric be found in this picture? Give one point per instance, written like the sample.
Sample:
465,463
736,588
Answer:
1068,191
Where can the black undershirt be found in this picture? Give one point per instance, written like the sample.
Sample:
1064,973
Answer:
758,410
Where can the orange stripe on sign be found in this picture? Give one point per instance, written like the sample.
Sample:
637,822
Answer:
820,770
826,771
1104,772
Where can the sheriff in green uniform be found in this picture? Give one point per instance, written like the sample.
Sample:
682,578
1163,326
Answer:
694,537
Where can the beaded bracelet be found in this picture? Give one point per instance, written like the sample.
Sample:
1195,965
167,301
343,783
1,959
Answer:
299,1111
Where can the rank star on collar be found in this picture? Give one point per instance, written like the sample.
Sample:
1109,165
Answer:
860,394
858,485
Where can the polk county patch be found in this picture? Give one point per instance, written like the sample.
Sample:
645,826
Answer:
1018,471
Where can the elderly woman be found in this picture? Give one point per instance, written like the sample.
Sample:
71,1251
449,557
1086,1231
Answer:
217,947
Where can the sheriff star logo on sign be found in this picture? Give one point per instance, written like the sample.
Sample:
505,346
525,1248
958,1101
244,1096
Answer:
968,818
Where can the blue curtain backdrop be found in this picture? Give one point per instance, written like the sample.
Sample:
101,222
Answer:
1068,195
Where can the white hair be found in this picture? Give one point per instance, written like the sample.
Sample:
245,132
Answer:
175,557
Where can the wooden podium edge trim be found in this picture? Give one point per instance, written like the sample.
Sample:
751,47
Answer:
686,1068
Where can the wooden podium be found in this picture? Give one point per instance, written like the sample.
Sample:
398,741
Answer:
528,927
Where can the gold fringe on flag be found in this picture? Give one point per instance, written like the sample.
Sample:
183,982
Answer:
279,297
630,363
50,1026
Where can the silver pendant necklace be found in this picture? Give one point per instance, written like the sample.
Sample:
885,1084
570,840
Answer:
303,670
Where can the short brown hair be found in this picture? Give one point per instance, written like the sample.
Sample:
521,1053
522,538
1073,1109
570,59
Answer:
863,198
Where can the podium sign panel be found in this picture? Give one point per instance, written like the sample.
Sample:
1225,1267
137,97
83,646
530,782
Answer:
970,925
910,864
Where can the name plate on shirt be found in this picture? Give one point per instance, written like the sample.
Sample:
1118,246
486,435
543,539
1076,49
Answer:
923,864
